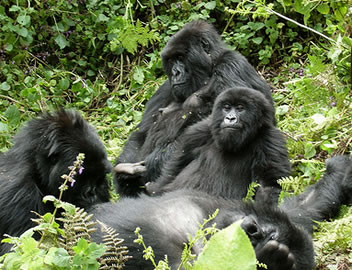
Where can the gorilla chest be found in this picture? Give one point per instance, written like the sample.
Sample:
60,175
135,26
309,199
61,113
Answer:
220,171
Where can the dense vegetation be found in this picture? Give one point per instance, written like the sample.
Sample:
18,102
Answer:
102,57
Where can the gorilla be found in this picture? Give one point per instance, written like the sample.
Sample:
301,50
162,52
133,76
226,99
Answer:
222,154
280,236
199,67
42,152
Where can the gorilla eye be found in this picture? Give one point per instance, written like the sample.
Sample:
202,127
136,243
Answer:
89,193
240,107
227,106
205,45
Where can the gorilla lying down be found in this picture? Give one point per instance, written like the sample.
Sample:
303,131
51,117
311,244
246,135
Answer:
33,167
281,236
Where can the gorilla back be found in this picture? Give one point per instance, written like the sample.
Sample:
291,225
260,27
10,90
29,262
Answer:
281,236
167,222
33,167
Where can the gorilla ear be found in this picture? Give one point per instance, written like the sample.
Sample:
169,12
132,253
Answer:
69,119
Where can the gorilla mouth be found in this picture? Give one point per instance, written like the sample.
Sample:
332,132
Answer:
178,84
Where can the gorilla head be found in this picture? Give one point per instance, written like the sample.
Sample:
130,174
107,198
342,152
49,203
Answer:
50,145
33,167
189,56
238,116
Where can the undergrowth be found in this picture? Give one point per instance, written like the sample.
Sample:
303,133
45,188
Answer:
102,57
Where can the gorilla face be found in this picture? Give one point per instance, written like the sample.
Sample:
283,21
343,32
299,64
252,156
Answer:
237,117
62,137
189,56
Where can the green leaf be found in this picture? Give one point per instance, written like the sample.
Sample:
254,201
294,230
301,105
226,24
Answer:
257,40
102,18
282,109
23,32
229,249
24,20
210,5
61,41
4,127
324,8
57,257
138,75
8,47
64,84
309,150
316,65
5,86
13,115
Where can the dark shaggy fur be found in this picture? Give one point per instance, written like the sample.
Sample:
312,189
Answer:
32,168
281,237
199,67
224,153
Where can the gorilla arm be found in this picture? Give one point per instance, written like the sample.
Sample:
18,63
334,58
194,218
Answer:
272,163
188,145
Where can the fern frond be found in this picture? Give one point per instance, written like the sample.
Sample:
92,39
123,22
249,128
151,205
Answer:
77,225
116,255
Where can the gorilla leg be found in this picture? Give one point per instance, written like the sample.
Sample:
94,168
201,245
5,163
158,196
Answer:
323,199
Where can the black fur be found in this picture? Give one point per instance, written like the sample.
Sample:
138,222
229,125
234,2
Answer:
280,236
199,67
33,167
221,155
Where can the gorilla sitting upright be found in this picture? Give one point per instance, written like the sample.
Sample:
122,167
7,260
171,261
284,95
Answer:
199,67
281,236
224,153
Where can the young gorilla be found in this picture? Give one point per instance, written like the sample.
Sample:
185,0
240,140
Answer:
33,167
223,154
281,237
196,61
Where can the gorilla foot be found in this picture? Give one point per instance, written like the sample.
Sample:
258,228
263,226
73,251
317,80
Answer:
130,168
276,256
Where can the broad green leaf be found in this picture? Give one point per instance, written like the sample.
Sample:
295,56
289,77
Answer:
4,127
282,109
13,115
61,41
138,75
58,257
323,8
257,40
23,32
64,84
5,86
309,150
229,249
24,20
210,5
102,18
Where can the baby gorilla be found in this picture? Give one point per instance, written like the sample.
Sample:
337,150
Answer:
33,167
236,145
281,236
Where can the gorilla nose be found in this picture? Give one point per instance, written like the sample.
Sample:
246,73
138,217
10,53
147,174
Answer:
250,226
230,119
177,74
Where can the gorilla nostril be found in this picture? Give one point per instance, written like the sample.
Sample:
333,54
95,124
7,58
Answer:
251,227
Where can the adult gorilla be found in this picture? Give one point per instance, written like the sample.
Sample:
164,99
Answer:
196,62
224,153
281,237
33,167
